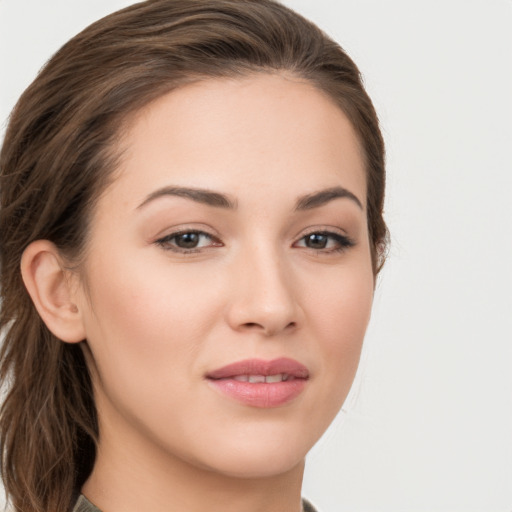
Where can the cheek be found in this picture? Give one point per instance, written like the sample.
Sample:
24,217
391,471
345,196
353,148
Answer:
341,311
152,314
342,302
146,335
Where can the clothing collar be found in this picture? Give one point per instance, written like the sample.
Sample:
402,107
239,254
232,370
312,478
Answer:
84,505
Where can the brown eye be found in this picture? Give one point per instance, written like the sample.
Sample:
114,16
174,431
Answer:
316,241
187,240
325,242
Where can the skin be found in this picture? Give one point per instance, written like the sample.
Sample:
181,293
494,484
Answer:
157,320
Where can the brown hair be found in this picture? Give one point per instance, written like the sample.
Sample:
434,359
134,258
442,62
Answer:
56,159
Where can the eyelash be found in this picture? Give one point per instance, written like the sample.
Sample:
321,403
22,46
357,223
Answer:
166,241
343,242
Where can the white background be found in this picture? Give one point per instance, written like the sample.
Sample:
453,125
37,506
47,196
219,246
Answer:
428,426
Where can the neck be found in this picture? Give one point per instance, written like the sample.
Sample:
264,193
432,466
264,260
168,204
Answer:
131,475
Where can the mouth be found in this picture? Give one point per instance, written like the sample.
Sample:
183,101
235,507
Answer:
260,383
255,379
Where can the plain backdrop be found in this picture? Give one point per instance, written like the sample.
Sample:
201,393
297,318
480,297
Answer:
428,425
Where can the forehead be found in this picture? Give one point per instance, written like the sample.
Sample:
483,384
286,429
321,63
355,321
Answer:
275,133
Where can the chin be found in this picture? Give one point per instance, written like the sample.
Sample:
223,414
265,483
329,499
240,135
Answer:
257,457
252,466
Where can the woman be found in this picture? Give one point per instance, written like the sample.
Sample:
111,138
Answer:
192,226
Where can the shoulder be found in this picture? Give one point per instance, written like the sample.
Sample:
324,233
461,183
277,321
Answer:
307,507
84,505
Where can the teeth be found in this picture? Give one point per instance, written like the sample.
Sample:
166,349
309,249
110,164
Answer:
258,379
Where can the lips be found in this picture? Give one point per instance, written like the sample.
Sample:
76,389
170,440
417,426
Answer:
260,383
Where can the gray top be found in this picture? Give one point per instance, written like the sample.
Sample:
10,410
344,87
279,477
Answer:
84,505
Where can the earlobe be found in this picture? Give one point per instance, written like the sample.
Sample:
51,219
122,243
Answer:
50,286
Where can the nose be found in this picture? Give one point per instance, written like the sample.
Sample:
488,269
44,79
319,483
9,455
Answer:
264,298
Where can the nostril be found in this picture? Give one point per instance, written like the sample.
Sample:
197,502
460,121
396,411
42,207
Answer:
269,329
253,324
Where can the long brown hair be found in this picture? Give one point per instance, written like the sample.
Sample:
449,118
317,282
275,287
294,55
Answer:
58,156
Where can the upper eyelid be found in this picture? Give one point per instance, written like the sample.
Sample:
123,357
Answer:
325,230
170,232
332,234
185,231
175,234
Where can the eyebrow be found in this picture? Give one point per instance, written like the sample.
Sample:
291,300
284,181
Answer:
322,197
199,195
218,200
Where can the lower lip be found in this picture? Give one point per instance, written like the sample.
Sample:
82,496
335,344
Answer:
263,395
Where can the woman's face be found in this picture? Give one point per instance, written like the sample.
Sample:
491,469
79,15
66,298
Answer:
228,282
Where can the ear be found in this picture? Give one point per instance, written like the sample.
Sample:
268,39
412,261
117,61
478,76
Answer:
52,288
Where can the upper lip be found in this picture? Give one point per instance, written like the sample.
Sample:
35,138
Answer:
261,367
